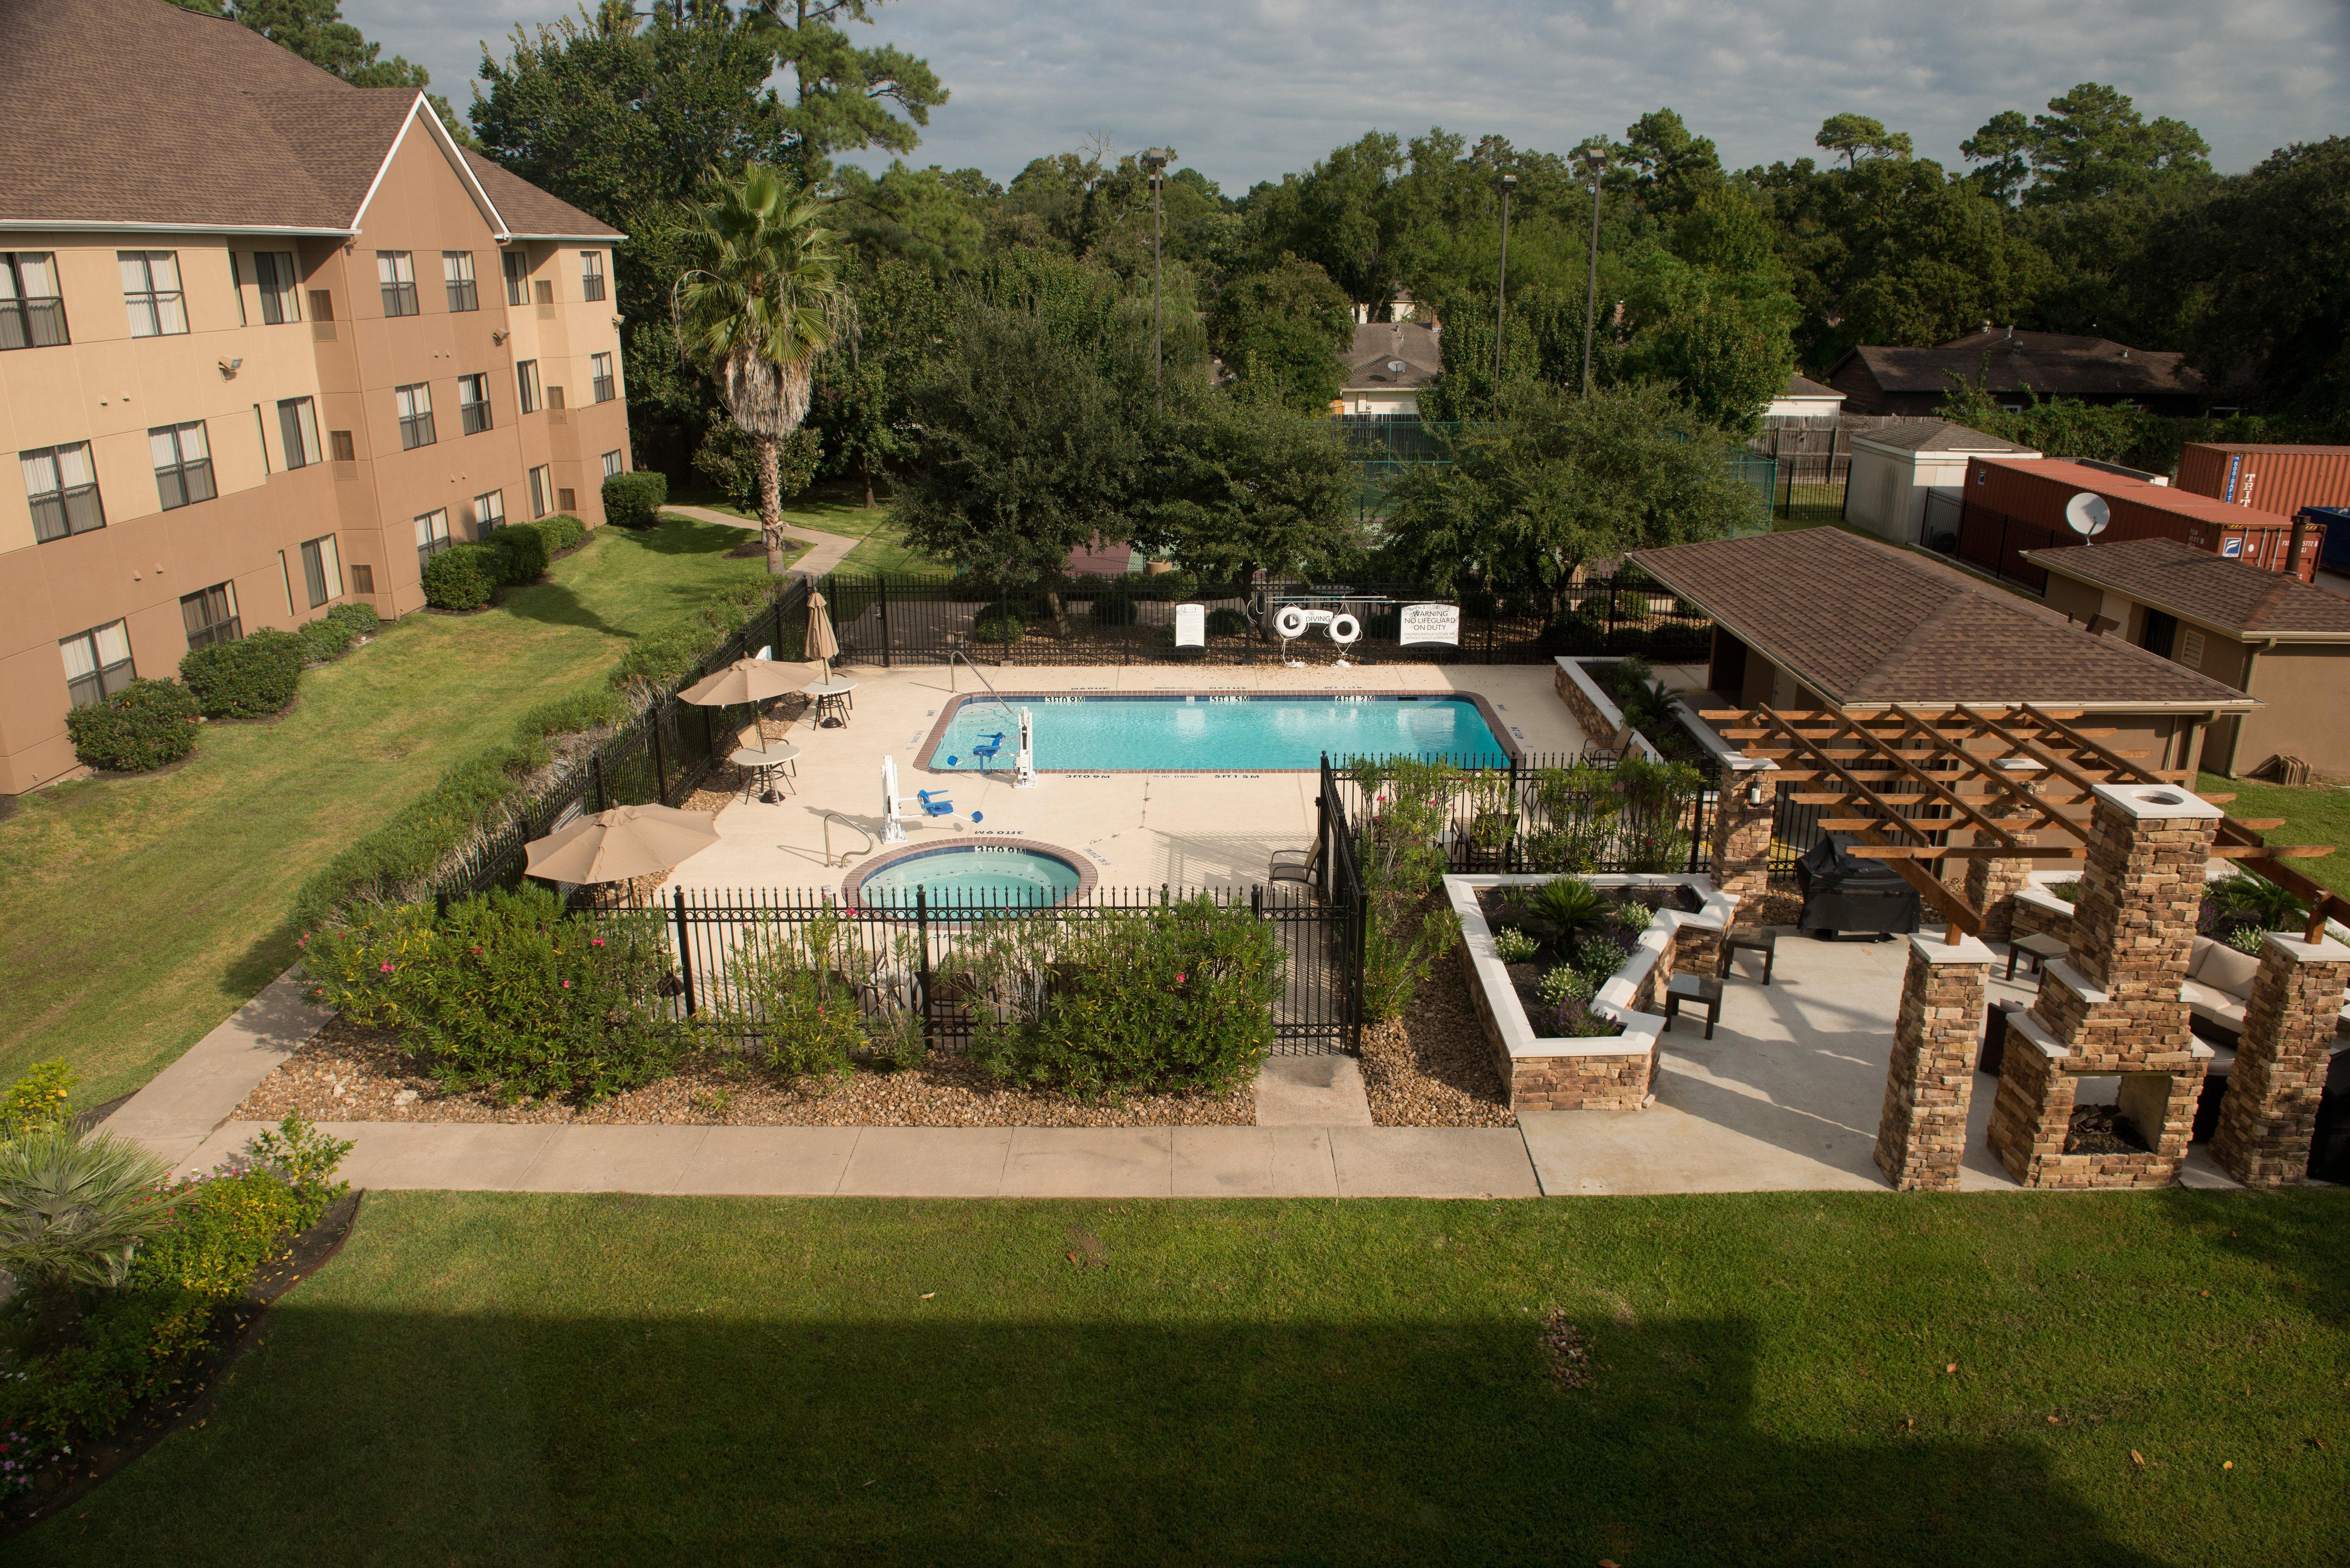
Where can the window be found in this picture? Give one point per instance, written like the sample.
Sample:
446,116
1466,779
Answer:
415,416
31,313
517,274
297,424
473,402
489,511
58,483
542,485
183,464
237,287
602,364
395,273
98,663
457,273
273,273
345,449
151,287
613,462
591,275
210,615
261,434
322,570
431,535
526,382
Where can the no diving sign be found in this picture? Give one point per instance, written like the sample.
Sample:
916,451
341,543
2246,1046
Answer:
1430,623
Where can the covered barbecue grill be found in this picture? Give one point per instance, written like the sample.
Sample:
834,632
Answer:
1843,892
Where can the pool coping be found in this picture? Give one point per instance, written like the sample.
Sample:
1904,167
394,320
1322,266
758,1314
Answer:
1088,877
930,742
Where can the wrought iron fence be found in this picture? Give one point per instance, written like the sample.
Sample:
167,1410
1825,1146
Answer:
1542,813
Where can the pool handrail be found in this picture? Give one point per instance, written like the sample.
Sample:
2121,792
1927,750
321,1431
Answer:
983,681
845,854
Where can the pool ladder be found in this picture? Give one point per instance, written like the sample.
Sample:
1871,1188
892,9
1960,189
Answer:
830,817
967,664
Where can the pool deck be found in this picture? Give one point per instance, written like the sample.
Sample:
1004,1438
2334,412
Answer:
1139,829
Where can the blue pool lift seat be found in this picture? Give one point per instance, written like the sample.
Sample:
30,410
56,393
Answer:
988,749
942,806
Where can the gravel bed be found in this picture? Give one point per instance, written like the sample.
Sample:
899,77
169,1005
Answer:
354,1074
1433,1067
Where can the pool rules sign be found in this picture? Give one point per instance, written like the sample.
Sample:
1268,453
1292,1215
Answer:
1430,623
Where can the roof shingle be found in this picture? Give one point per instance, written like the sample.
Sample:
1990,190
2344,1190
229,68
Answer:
2196,585
2053,364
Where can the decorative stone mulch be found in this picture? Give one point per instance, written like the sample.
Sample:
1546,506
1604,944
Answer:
1433,1067
350,1073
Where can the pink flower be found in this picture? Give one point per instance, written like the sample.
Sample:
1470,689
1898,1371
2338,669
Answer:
1179,979
566,985
386,969
594,941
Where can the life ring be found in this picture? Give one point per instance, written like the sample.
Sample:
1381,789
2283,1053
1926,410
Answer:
1345,628
1290,621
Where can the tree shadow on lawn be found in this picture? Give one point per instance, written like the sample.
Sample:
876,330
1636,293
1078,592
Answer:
528,1438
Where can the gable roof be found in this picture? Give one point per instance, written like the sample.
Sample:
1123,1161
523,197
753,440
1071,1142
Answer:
1803,387
1934,435
1866,625
2197,585
139,115
2053,364
1378,344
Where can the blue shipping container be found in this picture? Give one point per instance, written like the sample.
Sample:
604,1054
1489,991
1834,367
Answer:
2334,556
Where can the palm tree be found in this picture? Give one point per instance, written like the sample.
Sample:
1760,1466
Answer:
73,1210
763,299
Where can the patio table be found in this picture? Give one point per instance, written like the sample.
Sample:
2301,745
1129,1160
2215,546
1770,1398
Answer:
765,766
1698,990
832,702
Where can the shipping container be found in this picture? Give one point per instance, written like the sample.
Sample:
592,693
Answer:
2013,506
2335,552
2280,480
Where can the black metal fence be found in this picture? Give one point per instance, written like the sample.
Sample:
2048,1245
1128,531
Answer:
889,621
1542,813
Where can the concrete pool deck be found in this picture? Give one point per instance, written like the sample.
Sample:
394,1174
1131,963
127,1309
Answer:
1139,829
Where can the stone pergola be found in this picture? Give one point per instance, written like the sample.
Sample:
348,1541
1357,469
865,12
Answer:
1961,800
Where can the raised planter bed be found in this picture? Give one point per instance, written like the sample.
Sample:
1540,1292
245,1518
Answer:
1612,1072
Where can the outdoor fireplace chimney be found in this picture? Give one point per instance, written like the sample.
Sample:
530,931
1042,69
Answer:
2300,540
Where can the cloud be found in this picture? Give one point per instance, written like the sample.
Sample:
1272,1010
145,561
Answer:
1248,90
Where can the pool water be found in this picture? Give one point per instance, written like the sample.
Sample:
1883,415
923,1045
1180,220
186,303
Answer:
969,873
1219,733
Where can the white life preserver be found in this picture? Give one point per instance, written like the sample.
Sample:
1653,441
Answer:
1290,621
1345,628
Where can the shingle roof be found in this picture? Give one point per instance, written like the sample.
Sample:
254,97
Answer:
138,113
2052,363
2196,585
1864,623
1936,435
529,212
1800,387
1378,344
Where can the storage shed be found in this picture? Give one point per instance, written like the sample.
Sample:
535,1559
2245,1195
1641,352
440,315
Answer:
1895,469
2275,479
2011,507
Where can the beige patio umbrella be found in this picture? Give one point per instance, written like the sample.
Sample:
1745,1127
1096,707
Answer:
624,842
748,681
821,643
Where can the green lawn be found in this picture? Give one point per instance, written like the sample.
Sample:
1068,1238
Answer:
2317,814
137,913
558,1379
838,507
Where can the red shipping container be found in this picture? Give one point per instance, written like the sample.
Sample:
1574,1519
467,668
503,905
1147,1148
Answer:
2281,480
2013,505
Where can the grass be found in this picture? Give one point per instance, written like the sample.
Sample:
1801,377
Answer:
839,506
486,1378
2318,813
137,913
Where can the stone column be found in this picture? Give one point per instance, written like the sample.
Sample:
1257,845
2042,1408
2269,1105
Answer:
1992,883
1921,1133
1741,828
2271,1107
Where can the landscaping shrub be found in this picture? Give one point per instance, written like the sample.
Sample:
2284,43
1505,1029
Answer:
799,989
634,500
324,639
521,553
505,992
562,532
1227,621
361,618
999,622
73,1212
1113,610
147,724
1174,998
43,1096
247,678
461,578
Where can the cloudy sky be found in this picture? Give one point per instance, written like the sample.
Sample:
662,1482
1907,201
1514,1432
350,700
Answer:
1245,89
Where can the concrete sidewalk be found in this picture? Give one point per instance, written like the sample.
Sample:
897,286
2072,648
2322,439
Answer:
825,551
182,1105
925,1162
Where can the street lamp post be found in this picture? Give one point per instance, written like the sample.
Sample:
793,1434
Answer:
1154,162
1502,288
1593,162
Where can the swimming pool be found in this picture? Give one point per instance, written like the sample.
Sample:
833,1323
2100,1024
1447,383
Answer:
1173,732
953,874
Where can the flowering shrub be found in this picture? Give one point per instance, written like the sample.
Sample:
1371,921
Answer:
44,1095
817,997
505,992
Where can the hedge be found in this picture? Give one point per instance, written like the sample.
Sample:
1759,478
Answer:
461,578
322,640
145,725
519,553
562,532
249,678
634,500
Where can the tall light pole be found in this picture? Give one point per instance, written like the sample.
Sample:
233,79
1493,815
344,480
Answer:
1154,162
1593,162
1502,288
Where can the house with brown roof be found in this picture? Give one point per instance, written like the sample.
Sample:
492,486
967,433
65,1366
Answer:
1822,618
2270,635
267,342
2013,365
1385,368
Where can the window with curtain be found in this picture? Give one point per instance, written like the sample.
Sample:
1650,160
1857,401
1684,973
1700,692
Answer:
431,535
489,511
395,273
322,570
517,267
457,275
298,425
542,491
415,416
281,295
210,616
150,289
612,463
32,315
473,402
98,663
183,465
527,384
601,365
591,275
63,492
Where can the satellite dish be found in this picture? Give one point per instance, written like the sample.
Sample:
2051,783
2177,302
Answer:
2088,513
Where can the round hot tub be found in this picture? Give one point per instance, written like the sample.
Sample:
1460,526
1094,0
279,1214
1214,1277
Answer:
965,875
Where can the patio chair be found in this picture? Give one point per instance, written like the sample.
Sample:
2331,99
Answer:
988,749
942,806
1606,754
1294,866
